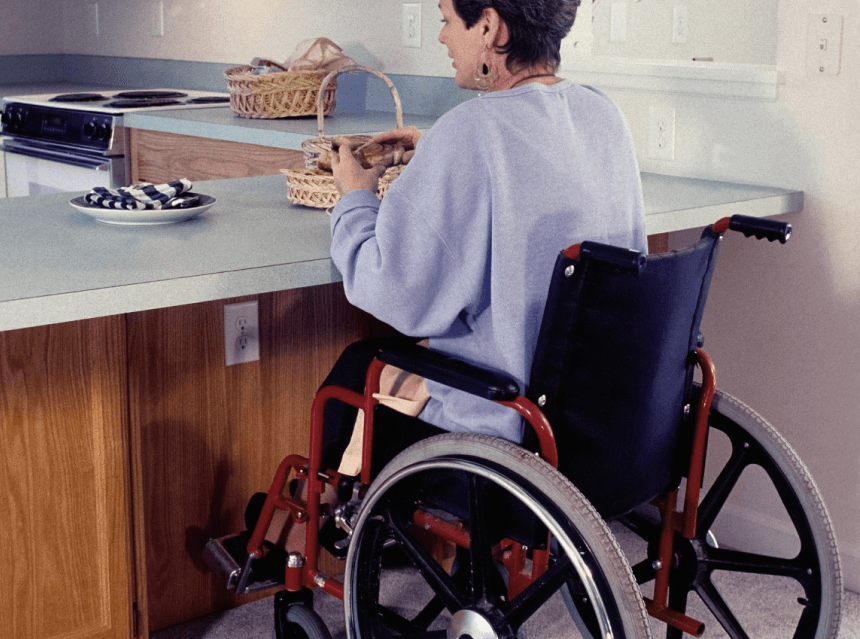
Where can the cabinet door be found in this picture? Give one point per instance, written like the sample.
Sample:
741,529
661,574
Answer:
65,533
161,157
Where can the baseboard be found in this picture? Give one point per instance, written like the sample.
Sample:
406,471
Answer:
742,528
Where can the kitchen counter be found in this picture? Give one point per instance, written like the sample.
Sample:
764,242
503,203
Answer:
61,265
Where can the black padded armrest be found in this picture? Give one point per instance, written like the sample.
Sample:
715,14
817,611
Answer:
453,372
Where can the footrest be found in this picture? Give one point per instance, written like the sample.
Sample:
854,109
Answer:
228,557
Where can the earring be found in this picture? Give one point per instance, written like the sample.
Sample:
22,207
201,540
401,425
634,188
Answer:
485,76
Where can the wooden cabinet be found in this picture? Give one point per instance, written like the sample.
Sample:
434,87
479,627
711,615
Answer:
65,537
161,157
205,436
126,443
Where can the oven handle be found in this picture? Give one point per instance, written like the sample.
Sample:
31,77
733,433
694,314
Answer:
85,162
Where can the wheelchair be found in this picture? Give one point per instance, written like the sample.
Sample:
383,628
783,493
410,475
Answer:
468,536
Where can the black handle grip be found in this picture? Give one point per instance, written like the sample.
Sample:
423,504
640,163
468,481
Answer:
625,259
760,228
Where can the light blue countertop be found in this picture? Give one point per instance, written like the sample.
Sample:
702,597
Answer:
61,265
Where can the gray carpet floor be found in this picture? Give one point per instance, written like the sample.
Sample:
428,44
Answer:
747,597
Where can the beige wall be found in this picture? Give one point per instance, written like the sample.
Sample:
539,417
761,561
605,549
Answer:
783,323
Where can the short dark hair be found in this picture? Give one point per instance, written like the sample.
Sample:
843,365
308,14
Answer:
536,27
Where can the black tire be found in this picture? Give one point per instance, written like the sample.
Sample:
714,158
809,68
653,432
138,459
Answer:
412,595
811,562
300,622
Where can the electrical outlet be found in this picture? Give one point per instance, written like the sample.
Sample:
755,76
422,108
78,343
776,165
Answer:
241,333
661,133
411,27
157,18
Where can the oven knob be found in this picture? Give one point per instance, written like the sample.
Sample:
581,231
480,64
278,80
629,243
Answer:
102,132
89,130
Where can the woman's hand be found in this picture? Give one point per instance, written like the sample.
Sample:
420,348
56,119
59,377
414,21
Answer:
349,175
408,135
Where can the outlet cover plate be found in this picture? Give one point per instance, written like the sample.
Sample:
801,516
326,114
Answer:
661,133
241,333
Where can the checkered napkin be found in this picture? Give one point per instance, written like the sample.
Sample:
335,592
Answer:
144,196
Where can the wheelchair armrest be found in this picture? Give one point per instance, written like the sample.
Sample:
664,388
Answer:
453,372
624,259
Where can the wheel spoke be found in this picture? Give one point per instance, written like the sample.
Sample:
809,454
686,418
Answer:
487,585
720,609
644,571
404,628
746,562
722,487
539,592
439,580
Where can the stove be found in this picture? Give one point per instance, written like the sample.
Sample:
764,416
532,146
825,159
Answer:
119,102
81,130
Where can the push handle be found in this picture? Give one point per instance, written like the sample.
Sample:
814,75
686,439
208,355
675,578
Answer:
758,227
625,259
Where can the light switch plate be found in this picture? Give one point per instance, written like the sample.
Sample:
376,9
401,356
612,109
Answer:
157,9
618,26
93,18
411,27
823,44
680,24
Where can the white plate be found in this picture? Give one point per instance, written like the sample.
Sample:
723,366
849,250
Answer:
143,217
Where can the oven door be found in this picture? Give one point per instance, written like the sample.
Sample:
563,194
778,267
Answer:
32,169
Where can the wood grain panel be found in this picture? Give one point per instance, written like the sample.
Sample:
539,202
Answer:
65,543
161,157
658,243
208,436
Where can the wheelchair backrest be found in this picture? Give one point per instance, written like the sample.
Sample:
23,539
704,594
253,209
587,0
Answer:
613,370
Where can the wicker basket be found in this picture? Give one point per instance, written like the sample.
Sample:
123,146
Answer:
282,94
312,187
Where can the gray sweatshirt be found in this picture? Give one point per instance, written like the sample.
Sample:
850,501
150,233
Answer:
461,248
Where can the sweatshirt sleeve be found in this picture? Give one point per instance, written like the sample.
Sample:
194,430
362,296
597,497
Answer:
417,260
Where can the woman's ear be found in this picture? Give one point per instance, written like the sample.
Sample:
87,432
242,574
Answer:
493,28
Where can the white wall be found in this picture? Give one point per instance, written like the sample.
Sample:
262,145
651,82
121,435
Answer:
729,30
31,27
783,322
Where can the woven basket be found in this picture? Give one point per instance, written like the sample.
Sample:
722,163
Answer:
309,188
282,94
308,185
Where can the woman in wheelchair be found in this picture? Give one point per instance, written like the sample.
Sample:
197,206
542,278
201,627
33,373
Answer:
514,241
461,248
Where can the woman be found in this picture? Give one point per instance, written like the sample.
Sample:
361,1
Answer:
461,249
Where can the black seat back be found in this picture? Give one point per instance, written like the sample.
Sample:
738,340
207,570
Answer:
613,370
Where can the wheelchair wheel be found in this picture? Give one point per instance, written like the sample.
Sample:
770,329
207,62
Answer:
804,565
300,622
395,587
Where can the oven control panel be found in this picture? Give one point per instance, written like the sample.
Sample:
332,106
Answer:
80,128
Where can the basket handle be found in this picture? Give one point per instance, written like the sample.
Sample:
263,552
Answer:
354,68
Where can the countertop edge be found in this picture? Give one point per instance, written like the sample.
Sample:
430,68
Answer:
145,296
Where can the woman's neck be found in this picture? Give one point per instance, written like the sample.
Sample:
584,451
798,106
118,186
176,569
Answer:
539,74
